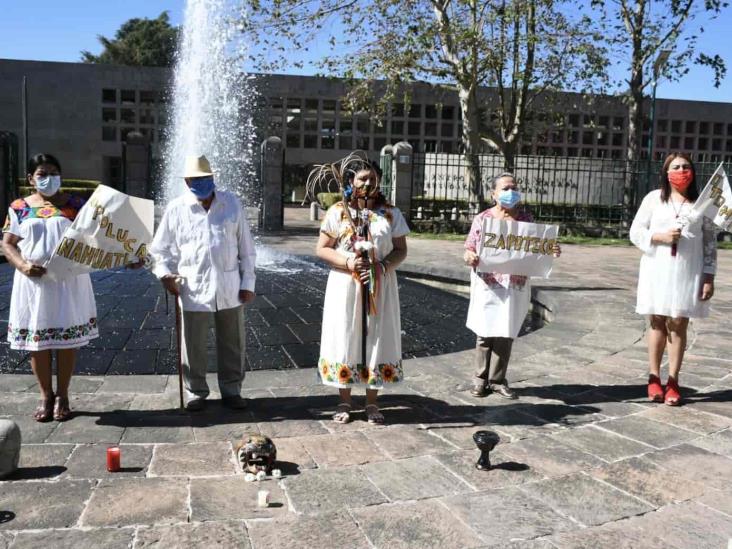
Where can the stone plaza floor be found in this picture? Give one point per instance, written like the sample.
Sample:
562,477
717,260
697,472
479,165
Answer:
584,460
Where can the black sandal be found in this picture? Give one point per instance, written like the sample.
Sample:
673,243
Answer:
44,412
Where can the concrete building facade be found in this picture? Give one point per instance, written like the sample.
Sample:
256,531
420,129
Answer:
83,113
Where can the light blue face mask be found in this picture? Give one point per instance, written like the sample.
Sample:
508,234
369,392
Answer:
202,187
509,198
48,185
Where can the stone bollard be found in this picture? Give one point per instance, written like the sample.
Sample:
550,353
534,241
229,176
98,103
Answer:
9,447
314,211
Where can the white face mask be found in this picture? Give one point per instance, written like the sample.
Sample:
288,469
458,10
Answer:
49,185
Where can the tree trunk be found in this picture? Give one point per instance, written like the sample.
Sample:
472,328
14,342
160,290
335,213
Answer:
635,121
471,144
509,156
635,129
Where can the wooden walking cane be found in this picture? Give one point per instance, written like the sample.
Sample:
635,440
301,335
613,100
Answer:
179,337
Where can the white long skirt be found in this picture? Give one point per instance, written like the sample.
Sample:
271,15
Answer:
340,364
51,314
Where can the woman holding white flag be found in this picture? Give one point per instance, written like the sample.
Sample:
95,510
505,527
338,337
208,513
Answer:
676,278
45,313
363,239
498,302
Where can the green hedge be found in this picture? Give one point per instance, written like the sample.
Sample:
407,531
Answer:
82,187
70,183
326,200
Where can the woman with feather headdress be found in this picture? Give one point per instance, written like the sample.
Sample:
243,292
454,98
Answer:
363,239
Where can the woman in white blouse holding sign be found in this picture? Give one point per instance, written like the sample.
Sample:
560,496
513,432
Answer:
47,313
498,302
676,278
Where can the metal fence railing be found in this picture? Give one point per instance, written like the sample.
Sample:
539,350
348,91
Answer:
568,190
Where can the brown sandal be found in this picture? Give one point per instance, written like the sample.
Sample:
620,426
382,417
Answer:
61,411
44,412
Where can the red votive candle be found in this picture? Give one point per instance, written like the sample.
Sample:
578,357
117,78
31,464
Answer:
113,459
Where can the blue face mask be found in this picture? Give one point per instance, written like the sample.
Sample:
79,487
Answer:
509,198
48,185
202,187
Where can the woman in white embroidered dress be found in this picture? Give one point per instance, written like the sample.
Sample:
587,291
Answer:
498,302
46,313
676,278
341,237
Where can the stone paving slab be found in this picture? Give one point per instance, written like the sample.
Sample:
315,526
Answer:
88,461
337,529
500,516
109,538
415,478
193,460
340,450
62,503
645,480
414,525
199,534
550,457
690,525
618,535
585,499
604,444
694,463
232,498
117,502
325,491
647,431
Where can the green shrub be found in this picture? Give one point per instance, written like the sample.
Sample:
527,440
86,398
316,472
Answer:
69,183
326,200
25,190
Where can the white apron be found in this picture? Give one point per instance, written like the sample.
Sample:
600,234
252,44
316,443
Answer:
498,304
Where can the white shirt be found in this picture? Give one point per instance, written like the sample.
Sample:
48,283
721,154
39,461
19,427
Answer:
212,251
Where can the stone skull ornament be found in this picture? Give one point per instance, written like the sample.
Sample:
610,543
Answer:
256,453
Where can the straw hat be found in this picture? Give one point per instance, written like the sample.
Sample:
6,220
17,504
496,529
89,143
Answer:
197,166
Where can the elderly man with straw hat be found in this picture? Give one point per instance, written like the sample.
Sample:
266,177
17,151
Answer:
204,255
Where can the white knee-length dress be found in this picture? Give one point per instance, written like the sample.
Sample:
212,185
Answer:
671,285
46,313
340,364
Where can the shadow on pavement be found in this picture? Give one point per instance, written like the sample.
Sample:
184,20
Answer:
35,473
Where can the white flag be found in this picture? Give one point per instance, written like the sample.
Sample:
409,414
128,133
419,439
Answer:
715,200
111,230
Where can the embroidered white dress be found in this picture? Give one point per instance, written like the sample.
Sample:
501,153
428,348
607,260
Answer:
45,313
498,302
340,345
670,285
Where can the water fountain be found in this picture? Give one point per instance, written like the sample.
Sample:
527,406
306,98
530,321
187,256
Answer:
212,101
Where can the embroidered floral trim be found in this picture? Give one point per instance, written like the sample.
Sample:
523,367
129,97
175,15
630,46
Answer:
24,211
500,280
25,336
344,374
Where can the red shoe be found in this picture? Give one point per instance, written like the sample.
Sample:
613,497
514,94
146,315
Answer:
655,389
673,394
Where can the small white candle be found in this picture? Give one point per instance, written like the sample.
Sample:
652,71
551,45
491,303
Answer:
261,475
263,498
276,473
